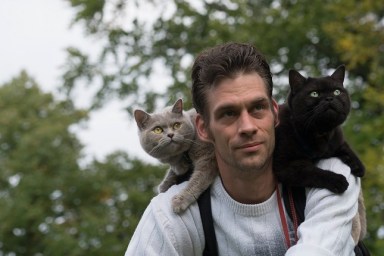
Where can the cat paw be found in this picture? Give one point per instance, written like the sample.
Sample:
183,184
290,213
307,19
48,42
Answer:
164,186
180,203
358,170
337,184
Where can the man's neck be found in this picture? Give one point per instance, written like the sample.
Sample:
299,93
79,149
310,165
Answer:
250,188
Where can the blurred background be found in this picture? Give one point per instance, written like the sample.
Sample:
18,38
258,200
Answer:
73,177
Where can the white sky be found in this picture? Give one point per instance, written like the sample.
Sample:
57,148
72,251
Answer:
34,35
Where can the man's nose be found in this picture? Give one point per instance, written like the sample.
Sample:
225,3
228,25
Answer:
247,124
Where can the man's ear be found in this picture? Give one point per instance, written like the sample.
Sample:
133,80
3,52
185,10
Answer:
275,109
202,129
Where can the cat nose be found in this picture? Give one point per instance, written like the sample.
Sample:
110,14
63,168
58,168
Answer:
170,135
329,98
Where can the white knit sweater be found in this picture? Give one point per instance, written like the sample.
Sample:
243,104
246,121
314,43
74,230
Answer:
251,229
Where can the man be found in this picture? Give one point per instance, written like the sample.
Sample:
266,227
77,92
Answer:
232,93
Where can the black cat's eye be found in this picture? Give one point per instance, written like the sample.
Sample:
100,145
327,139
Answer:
336,92
176,125
157,130
314,94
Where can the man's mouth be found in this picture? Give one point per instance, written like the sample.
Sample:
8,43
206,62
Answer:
250,147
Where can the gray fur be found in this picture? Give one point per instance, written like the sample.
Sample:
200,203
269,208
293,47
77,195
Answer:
175,139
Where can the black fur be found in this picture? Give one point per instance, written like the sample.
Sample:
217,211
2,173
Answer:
309,130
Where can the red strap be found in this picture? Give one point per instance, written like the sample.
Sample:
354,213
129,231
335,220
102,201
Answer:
283,218
293,213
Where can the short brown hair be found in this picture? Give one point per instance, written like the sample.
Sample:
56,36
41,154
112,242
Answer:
225,61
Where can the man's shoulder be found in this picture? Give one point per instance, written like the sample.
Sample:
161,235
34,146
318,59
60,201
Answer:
163,201
170,193
185,225
166,231
335,165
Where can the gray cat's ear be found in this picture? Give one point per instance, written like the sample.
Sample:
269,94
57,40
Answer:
141,118
178,107
295,79
339,74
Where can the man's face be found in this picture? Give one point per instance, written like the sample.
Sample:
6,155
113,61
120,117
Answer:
241,123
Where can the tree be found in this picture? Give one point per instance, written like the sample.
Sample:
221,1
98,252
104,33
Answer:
312,36
49,205
126,186
37,153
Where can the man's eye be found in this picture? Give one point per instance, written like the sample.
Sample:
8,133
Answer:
229,113
157,130
260,107
176,125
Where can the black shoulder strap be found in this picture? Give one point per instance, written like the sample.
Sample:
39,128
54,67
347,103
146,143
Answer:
204,202
361,249
299,201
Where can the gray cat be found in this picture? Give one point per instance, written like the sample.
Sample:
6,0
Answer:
170,136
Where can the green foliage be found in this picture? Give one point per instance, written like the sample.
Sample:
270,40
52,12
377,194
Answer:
49,205
106,203
36,152
310,35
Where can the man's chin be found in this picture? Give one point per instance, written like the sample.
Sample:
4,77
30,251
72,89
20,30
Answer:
254,163
251,166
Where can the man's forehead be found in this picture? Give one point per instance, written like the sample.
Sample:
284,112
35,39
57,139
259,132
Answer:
236,103
236,96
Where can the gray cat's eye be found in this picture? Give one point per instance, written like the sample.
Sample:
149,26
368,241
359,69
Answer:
157,130
176,125
336,92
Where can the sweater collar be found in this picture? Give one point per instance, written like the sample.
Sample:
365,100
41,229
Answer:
260,209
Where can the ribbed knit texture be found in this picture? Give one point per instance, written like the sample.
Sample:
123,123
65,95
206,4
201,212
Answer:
250,229
247,229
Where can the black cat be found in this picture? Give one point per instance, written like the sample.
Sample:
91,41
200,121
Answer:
309,130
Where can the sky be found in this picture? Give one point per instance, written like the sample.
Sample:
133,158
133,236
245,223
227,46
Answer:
34,35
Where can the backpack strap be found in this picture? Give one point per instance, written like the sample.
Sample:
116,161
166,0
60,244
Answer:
361,249
296,201
299,201
204,202
293,197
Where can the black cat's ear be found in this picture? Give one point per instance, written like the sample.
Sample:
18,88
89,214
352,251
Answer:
141,118
178,107
339,74
295,80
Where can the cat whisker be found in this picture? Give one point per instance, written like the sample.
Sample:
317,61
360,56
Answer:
189,133
306,114
195,142
154,151
309,115
158,147
308,123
